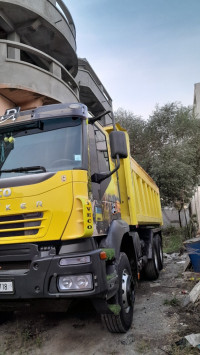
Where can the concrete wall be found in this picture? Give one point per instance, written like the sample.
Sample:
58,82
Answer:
171,218
195,204
5,104
50,84
38,58
92,91
39,23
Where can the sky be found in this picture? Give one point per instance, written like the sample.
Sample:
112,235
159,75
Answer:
145,52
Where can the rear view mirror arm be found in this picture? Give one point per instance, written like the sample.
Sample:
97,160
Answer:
103,176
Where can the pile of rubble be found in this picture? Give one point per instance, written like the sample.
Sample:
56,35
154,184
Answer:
190,303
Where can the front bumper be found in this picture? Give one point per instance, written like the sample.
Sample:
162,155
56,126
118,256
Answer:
35,273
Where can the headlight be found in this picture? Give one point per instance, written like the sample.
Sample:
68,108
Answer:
75,261
75,282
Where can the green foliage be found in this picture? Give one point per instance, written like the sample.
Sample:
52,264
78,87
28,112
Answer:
143,346
166,147
115,308
173,239
187,350
172,133
110,253
135,127
173,302
110,276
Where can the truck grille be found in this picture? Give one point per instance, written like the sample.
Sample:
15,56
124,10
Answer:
14,265
20,224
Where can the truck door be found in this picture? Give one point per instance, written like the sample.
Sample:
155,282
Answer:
104,196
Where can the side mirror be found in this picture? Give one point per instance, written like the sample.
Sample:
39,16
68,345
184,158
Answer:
118,145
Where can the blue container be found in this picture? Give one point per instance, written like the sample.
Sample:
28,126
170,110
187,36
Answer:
193,250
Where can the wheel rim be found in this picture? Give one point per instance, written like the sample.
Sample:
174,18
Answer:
161,255
128,295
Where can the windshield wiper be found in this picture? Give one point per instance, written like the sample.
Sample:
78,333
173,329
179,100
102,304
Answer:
24,168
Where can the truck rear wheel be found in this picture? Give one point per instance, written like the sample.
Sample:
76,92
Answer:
121,322
151,270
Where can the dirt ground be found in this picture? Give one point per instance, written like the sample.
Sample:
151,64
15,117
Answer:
159,322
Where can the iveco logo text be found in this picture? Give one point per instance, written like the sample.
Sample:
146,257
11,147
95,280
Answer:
5,192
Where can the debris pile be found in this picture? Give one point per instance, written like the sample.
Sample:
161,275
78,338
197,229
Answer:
194,295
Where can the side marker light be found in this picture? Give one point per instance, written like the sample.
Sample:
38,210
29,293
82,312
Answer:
103,255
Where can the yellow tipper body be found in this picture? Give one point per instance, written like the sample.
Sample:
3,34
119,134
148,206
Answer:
140,199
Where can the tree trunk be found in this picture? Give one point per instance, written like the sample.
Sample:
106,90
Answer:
179,217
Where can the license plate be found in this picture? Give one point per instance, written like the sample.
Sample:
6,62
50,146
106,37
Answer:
6,287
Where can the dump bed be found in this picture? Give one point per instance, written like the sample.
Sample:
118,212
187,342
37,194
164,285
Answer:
140,199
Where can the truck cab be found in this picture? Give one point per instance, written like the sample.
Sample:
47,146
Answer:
71,219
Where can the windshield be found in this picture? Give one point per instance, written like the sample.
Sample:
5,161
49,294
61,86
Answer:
45,145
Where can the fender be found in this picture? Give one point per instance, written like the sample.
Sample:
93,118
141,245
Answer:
115,234
147,236
136,244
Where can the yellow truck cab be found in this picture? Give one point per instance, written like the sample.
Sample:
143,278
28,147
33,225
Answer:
79,218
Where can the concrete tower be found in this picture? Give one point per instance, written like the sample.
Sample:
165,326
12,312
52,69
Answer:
196,104
38,60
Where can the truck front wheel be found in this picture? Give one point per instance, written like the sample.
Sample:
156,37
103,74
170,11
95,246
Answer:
122,304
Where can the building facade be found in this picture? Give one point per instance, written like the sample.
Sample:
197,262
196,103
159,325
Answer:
196,104
38,59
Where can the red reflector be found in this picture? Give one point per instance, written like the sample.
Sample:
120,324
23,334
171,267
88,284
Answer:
103,255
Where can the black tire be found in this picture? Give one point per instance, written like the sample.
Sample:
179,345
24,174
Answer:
159,251
6,316
125,298
151,270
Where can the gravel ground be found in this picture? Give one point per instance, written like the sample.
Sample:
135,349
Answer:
159,321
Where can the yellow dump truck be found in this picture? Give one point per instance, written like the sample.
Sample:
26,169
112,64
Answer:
79,218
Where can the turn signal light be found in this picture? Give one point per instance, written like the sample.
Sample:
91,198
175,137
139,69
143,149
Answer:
103,255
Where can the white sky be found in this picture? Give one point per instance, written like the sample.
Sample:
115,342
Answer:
144,51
